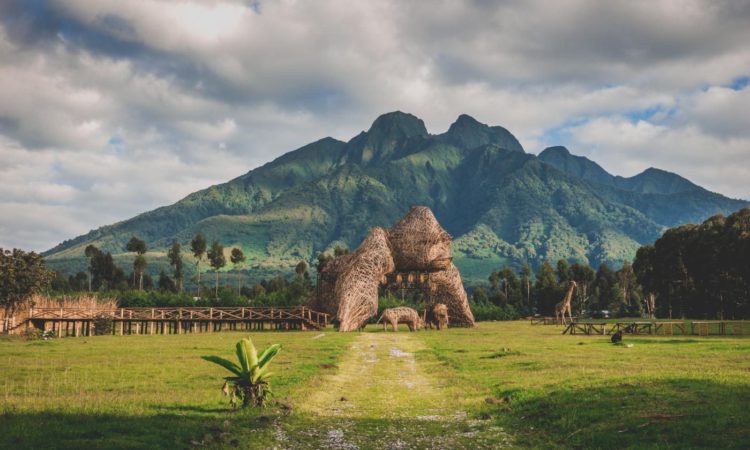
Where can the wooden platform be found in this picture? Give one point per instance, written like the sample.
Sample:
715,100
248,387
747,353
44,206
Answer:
586,328
81,322
700,328
547,320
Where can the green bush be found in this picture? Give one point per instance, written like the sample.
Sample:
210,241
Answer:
489,311
102,325
31,334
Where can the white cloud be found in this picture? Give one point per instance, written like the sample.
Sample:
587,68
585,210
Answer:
111,108
627,148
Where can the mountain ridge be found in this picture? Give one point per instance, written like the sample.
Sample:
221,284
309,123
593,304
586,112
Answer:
502,205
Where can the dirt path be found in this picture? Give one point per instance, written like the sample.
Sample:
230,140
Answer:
382,397
380,377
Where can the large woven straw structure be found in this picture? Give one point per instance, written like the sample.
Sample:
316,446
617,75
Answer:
356,291
348,285
419,242
448,289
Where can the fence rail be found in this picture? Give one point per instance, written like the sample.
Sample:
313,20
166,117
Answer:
82,321
187,313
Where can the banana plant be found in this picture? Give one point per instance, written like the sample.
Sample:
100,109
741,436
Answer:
249,383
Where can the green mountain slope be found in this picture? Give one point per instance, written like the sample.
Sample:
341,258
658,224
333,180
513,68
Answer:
665,197
501,204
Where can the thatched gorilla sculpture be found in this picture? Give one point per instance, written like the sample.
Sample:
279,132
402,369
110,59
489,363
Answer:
348,285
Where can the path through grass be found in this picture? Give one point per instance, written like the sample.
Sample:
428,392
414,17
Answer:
387,394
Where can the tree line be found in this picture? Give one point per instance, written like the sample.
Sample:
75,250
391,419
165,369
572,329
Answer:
103,274
700,271
139,289
692,271
528,293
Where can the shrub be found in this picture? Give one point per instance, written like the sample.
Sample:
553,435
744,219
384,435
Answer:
102,325
489,311
250,381
31,334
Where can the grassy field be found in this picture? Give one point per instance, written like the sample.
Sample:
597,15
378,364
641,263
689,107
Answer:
505,384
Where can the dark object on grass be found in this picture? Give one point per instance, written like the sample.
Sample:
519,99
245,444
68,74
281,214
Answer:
617,337
102,325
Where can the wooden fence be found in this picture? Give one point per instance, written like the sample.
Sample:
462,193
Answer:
664,328
82,321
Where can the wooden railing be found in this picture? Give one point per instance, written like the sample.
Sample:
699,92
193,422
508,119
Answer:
228,314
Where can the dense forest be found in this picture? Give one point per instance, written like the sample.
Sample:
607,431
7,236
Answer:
700,271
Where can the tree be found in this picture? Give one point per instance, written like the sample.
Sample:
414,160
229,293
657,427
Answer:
78,282
340,251
323,260
166,284
546,288
643,266
59,282
604,288
218,260
526,275
237,258
480,296
511,286
21,275
583,276
198,247
92,252
301,269
139,263
175,259
564,273
494,280
102,270
699,271
630,292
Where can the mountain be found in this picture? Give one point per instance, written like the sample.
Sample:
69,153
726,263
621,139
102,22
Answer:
501,204
666,197
650,181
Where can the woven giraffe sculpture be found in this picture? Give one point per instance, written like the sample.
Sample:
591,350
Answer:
564,305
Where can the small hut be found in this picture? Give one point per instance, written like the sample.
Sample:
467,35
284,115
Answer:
416,248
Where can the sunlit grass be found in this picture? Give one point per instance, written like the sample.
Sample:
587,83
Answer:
506,382
567,391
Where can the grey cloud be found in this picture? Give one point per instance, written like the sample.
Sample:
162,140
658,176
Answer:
110,108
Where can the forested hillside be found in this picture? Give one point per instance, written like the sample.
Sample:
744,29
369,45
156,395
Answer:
502,205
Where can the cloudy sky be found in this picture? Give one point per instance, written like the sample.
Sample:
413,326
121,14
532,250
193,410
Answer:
109,108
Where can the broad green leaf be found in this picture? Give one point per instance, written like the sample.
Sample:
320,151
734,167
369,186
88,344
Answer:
242,356
252,352
225,363
268,354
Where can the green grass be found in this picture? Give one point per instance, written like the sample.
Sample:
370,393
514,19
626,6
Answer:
582,391
136,391
504,383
